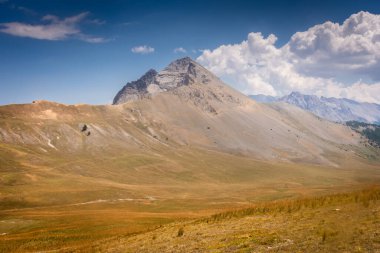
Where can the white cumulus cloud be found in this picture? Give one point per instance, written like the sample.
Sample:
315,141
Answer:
179,50
330,48
51,28
142,49
330,59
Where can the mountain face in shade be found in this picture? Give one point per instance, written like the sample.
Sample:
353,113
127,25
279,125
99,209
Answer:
134,90
333,109
181,72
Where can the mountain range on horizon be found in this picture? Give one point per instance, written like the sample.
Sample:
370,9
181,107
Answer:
334,109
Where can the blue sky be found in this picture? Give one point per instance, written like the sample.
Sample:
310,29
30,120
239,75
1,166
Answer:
81,51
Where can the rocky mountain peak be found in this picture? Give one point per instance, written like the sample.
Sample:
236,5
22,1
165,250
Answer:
184,71
149,76
135,89
182,65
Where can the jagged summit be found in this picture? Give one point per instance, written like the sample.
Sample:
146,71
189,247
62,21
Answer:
180,72
148,76
182,63
135,89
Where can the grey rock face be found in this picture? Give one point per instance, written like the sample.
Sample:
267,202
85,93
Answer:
134,90
181,72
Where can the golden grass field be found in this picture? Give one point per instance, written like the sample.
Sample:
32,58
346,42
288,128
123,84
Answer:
348,222
135,202
344,222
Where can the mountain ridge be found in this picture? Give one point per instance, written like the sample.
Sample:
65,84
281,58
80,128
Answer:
132,90
334,109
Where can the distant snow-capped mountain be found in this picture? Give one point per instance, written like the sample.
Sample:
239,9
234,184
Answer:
333,109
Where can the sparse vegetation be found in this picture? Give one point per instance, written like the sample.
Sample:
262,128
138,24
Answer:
328,222
370,131
84,128
180,232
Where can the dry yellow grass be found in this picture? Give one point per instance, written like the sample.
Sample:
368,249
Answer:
73,201
347,222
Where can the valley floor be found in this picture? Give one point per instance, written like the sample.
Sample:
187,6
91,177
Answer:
343,222
137,202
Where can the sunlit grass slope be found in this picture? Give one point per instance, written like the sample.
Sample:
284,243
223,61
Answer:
335,223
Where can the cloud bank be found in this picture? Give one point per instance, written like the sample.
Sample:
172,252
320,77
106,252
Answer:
51,28
142,49
329,59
